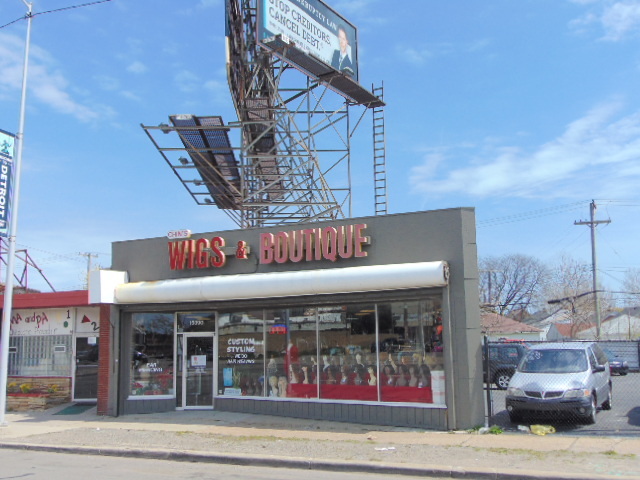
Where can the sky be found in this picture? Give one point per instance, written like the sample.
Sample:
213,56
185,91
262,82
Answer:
526,111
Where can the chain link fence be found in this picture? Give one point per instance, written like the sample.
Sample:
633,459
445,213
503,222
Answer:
576,386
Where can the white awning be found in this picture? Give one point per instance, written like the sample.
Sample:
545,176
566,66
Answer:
286,284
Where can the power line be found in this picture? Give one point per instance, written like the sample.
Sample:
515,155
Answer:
518,217
532,214
53,11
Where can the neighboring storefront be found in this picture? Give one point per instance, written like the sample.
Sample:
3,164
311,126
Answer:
373,320
53,347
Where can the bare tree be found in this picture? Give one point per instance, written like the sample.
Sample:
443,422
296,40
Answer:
570,286
631,286
511,284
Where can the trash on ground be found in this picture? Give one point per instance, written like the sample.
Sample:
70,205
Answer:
385,449
542,429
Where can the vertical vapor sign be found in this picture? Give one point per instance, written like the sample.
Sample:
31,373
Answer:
7,142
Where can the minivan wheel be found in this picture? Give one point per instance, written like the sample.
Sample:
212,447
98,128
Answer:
591,418
608,403
502,380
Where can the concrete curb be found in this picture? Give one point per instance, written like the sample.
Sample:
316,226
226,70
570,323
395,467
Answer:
310,464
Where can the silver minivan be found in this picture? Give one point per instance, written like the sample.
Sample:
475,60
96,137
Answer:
560,379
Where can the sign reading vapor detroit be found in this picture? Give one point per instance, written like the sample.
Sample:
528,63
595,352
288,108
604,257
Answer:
7,142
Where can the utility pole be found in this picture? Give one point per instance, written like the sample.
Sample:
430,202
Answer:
488,299
594,260
89,255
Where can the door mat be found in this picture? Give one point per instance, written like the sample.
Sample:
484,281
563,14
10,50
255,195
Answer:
75,409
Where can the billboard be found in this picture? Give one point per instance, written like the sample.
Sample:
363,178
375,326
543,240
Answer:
314,28
7,143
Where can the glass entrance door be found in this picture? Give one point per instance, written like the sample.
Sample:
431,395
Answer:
85,385
196,357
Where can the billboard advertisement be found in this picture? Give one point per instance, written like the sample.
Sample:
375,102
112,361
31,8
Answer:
7,142
314,28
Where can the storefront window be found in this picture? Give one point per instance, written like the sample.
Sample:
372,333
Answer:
389,352
347,346
241,354
292,366
152,354
410,352
48,355
276,372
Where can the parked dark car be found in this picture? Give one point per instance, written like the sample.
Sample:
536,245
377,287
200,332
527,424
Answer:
617,364
503,360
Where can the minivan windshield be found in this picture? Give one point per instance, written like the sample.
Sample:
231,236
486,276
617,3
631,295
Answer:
554,361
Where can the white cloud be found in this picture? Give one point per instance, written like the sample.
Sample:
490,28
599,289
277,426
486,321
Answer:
50,88
413,55
45,83
107,82
130,95
596,153
418,55
187,81
619,19
11,62
137,67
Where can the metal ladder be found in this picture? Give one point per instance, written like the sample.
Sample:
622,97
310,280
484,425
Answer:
379,155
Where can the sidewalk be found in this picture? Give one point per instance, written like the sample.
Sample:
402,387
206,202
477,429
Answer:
245,439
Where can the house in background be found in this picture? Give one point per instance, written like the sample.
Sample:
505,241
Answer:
498,327
562,331
617,326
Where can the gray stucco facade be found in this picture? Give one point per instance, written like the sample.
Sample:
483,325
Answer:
402,239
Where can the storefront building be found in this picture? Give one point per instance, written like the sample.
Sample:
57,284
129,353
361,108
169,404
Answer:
53,349
372,320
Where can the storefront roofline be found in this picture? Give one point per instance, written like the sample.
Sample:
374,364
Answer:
286,284
72,298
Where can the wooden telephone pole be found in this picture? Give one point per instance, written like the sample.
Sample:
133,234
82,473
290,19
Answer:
594,260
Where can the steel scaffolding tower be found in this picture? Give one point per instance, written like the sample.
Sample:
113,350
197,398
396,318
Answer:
289,118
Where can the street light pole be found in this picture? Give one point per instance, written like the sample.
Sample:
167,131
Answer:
13,227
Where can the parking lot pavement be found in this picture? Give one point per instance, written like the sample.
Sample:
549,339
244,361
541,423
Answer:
623,419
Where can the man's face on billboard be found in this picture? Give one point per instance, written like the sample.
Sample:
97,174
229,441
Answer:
342,38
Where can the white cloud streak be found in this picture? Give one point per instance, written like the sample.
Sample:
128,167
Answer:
45,83
619,19
598,153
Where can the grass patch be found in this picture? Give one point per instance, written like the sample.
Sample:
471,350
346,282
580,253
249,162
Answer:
492,430
614,454
519,451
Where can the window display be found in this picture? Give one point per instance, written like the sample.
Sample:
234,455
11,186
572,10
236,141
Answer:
347,346
152,354
389,352
410,350
241,353
293,333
